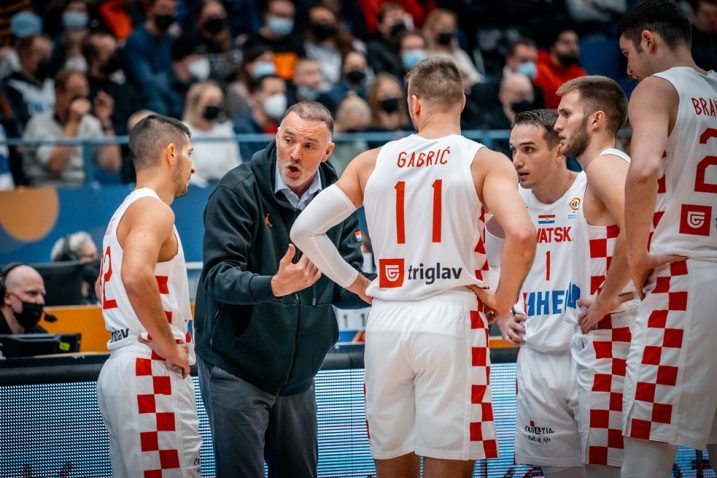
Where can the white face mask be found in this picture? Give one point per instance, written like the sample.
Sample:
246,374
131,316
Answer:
200,69
275,106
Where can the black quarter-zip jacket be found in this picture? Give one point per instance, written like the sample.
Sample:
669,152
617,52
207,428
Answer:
275,343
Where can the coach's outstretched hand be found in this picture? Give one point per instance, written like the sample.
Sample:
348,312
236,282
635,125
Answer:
293,277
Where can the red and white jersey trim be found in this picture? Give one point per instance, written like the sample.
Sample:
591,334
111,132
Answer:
171,276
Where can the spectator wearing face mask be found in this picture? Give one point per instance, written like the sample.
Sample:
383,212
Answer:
411,49
147,56
307,84
440,30
277,33
558,65
483,105
70,118
382,47
388,106
268,105
67,50
204,117
327,41
30,91
79,246
105,74
515,95
21,25
258,62
355,77
23,300
213,41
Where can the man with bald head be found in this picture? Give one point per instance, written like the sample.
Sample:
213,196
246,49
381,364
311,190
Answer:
23,298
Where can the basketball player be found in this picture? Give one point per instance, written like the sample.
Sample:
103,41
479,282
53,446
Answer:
591,111
547,431
427,362
144,392
671,383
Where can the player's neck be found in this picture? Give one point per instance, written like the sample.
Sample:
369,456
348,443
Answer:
682,56
554,187
598,143
439,125
152,180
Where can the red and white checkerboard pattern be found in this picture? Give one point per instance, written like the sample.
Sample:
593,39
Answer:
659,353
158,440
608,354
657,215
155,408
482,427
602,246
480,254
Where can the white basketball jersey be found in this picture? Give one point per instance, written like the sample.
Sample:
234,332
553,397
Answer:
552,288
424,218
685,219
120,318
598,247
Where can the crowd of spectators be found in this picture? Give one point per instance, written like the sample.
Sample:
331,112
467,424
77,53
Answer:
82,68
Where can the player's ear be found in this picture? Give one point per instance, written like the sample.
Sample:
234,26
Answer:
647,40
170,154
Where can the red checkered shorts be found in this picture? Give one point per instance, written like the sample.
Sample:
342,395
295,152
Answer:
671,384
150,414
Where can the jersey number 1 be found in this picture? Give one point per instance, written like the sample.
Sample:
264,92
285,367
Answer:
400,188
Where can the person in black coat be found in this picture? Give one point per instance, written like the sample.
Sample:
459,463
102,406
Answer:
264,316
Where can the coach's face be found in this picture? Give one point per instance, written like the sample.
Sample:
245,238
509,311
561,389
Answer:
534,159
301,146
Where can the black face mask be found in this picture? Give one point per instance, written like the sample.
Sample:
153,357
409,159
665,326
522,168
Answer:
214,25
568,59
355,76
445,38
42,72
521,106
211,112
323,30
397,29
389,105
163,22
30,315
112,64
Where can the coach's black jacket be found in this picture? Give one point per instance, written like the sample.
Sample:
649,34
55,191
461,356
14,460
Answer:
276,343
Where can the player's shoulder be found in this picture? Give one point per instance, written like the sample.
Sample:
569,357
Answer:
150,210
653,89
489,158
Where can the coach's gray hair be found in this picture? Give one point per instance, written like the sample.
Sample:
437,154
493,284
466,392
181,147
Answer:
312,110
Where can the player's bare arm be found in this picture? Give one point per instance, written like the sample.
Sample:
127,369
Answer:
497,187
651,111
606,178
147,237
329,208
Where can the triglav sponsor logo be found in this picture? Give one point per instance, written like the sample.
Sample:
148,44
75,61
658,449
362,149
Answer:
392,273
